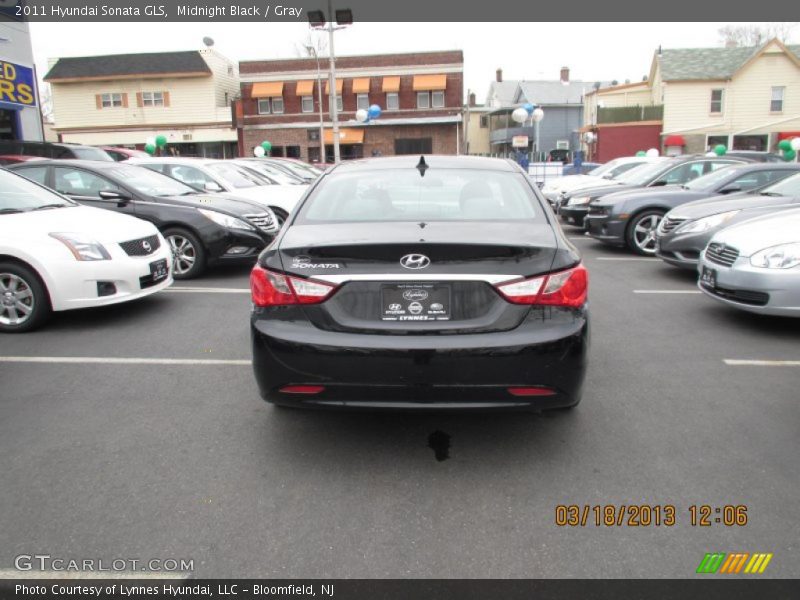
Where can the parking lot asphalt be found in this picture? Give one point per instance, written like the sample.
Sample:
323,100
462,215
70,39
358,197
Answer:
151,459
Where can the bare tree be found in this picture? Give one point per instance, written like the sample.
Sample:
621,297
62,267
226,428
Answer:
313,42
754,35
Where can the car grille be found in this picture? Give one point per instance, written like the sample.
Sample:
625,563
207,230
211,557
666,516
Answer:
264,221
669,223
742,296
142,246
721,254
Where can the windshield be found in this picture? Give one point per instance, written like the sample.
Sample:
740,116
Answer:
787,187
606,168
403,195
237,177
644,174
149,182
17,194
273,173
87,153
712,180
300,170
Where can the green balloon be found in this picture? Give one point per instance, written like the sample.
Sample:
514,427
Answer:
641,153
789,154
785,145
720,149
161,141
150,149
267,146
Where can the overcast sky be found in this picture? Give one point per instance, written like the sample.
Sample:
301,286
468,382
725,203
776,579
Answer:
593,51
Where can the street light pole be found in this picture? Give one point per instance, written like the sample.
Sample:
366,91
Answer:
322,157
332,84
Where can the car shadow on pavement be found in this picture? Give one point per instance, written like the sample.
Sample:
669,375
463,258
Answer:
746,323
125,314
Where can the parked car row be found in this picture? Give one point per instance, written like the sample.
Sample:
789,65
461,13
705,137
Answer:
732,219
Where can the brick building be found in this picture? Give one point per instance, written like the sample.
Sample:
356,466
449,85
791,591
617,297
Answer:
420,94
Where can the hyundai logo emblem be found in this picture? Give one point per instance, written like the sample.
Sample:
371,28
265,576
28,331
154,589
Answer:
415,261
146,245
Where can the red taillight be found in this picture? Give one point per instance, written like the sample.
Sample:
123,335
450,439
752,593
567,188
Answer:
302,389
565,288
531,391
268,288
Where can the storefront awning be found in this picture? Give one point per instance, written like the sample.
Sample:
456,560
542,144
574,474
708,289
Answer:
674,140
305,88
361,85
339,85
267,89
391,84
346,136
788,135
428,83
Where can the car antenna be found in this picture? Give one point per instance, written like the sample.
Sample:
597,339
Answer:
422,166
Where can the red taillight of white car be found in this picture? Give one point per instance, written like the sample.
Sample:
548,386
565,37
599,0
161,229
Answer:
566,288
268,288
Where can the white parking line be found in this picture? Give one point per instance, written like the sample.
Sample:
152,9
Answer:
104,360
634,258
761,363
667,292
207,290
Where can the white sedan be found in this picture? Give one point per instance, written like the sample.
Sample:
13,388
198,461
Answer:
58,255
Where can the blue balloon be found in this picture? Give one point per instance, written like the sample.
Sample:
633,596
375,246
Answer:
529,108
374,111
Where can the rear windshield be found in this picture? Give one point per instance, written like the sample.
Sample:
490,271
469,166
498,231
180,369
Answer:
403,195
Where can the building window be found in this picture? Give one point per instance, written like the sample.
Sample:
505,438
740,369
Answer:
111,100
437,99
277,106
152,98
339,104
413,146
716,101
392,101
313,135
562,144
362,101
307,104
423,99
484,121
776,105
263,106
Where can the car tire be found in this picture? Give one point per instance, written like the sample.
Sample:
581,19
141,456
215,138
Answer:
281,215
22,286
188,254
640,235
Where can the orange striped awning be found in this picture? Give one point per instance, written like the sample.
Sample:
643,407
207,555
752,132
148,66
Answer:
305,88
267,89
339,85
427,83
391,84
361,85
346,136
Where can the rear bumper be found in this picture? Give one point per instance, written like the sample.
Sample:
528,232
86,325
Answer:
423,372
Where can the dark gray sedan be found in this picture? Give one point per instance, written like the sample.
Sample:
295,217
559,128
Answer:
685,231
631,218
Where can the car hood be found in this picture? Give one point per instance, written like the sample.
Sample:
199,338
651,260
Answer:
762,232
272,194
223,203
99,224
666,194
570,182
598,191
712,206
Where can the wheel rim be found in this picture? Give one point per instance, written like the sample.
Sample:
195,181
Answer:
184,254
644,233
16,299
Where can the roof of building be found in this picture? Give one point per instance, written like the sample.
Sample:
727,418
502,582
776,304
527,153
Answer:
709,63
552,92
120,65
504,91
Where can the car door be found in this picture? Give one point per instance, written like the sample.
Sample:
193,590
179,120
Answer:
84,186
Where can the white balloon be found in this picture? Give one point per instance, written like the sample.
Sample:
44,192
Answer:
652,153
520,115
258,152
151,141
588,137
711,153
538,115
796,144
362,115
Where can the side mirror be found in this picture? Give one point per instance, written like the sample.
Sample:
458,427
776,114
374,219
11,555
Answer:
212,186
121,197
730,189
658,183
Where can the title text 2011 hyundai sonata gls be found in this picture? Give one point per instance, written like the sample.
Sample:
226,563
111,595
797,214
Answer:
421,283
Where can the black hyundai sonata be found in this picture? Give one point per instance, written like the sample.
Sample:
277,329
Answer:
421,283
